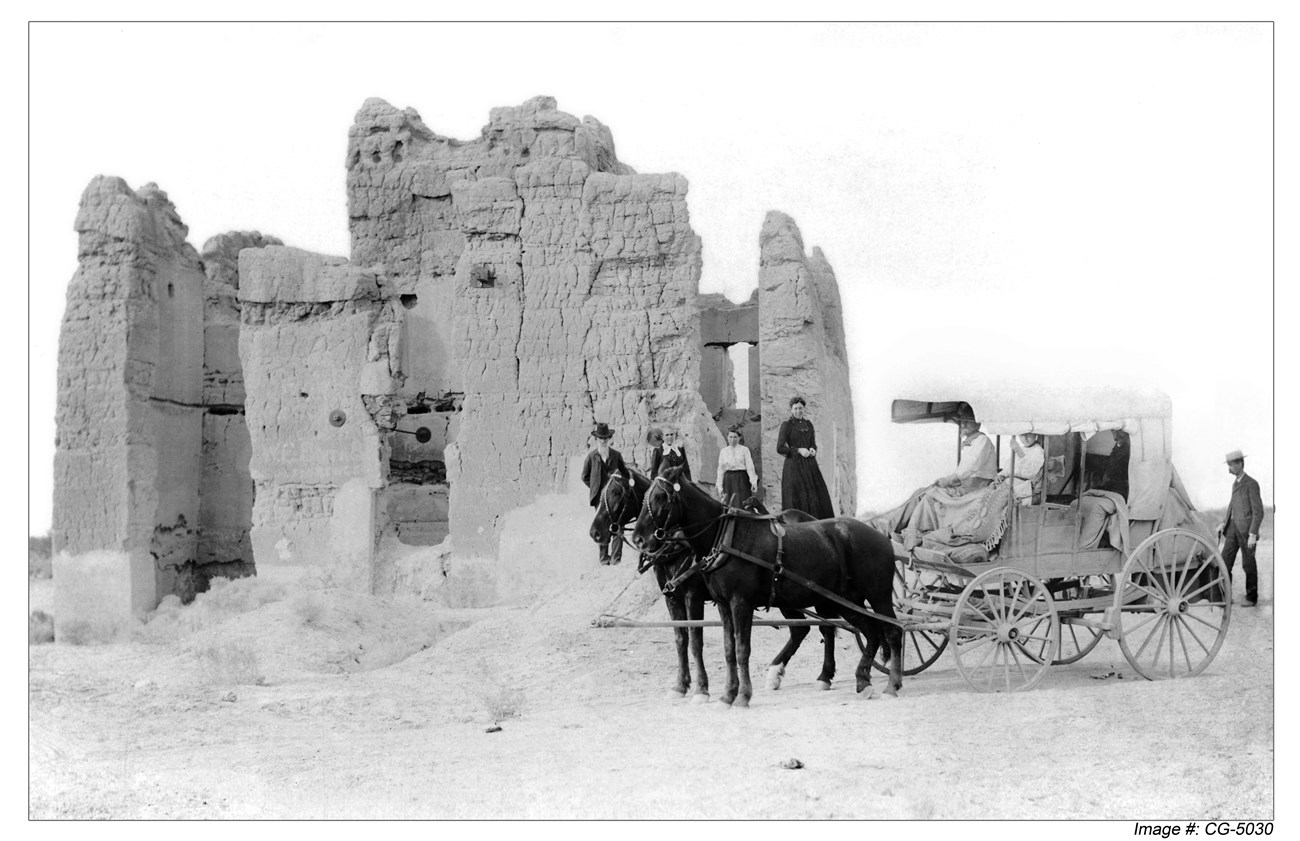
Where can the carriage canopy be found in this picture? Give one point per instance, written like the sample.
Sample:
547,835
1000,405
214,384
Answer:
1053,410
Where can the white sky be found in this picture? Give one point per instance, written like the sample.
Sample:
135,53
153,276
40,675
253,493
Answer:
1090,202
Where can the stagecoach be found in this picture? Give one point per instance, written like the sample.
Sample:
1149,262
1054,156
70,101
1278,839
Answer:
1042,579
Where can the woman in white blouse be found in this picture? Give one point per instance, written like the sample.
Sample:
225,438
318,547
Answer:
1029,466
736,475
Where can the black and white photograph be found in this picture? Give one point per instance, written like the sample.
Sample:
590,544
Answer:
655,421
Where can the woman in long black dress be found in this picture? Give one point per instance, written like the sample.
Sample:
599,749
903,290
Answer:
802,485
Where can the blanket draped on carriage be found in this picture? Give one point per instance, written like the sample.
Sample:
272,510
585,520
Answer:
967,525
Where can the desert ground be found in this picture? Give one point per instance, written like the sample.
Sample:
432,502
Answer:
279,697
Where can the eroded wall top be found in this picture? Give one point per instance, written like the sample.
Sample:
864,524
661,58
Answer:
803,352
559,285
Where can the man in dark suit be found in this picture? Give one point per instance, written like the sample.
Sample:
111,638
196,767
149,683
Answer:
602,462
1240,528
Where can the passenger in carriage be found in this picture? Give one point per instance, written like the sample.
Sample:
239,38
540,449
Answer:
978,464
1029,466
1114,476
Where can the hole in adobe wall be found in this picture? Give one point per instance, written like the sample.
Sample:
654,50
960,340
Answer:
171,290
409,301
483,276
397,152
374,157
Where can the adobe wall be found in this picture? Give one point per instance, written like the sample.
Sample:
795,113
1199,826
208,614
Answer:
225,485
129,413
801,327
553,285
503,295
314,338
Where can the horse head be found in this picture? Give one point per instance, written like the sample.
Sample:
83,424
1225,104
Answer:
661,510
619,501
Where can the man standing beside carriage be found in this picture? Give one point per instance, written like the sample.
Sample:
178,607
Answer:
1240,527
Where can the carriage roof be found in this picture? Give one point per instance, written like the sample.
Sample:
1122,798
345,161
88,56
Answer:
1012,409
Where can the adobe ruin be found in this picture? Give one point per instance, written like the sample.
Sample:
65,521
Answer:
413,418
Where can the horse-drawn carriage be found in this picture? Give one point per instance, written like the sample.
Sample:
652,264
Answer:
1019,584
1068,564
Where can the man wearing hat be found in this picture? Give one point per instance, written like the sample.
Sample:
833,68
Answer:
602,462
1240,528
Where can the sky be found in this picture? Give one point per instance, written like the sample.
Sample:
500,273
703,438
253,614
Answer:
1002,203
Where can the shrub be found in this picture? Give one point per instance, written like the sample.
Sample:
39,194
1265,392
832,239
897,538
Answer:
503,702
39,554
40,628
309,607
231,662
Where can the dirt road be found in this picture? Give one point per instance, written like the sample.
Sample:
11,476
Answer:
265,701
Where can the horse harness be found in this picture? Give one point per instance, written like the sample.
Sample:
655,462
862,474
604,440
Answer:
722,548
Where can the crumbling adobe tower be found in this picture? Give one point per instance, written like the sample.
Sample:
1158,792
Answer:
151,488
793,329
503,294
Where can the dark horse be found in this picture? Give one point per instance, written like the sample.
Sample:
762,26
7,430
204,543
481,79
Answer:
619,504
842,556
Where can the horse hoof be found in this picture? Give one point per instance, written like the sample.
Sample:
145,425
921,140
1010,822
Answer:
700,698
725,701
741,703
676,694
823,685
891,692
867,693
774,674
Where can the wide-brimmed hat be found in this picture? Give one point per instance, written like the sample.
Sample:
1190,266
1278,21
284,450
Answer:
1235,455
602,430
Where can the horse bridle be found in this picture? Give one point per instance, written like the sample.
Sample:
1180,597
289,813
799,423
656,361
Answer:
662,530
615,520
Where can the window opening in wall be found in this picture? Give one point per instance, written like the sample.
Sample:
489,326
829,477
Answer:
409,301
739,354
483,276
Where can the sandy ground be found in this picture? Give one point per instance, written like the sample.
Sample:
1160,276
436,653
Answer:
265,700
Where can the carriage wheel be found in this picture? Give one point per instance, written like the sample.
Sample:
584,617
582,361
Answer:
920,647
1172,605
1004,633
1077,639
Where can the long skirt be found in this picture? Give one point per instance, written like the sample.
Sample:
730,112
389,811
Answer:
803,487
736,488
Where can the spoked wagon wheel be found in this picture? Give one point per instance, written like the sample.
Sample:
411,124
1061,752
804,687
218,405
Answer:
1076,639
1005,633
920,647
1172,605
